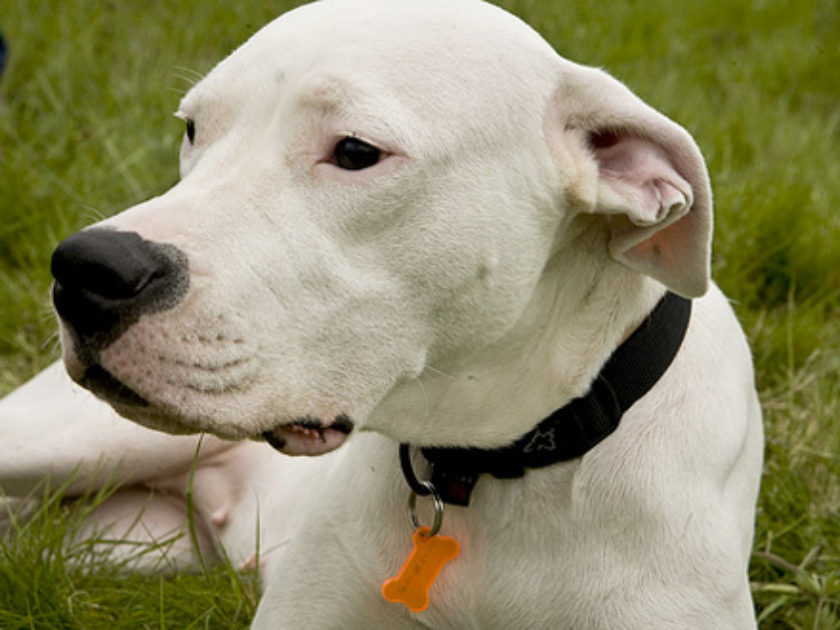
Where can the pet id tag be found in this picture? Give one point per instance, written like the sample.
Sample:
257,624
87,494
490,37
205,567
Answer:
425,561
411,585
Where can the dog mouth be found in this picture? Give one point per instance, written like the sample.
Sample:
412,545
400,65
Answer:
306,435
309,435
105,385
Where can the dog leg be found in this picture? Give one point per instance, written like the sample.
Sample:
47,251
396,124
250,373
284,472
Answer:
139,529
52,431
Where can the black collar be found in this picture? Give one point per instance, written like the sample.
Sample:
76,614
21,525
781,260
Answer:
631,371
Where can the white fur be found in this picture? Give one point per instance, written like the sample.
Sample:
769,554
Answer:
454,294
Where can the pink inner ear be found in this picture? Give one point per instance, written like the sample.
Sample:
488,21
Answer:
651,228
639,172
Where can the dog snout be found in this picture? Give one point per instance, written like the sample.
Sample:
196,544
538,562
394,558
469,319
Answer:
106,279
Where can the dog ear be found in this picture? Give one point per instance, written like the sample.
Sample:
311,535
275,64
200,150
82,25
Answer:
644,173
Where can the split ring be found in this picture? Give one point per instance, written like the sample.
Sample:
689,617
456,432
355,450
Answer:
438,502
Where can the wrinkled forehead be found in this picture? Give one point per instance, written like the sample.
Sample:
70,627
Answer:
438,55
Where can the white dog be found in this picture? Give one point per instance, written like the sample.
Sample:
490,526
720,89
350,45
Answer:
411,221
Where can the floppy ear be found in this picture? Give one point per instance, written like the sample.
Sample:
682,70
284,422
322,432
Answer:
642,172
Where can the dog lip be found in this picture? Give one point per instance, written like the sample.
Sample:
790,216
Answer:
309,435
342,423
276,441
105,385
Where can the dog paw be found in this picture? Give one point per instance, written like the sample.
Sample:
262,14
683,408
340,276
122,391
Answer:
250,565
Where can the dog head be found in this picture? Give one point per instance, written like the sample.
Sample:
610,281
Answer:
370,190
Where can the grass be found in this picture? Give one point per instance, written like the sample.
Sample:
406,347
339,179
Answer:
85,130
46,583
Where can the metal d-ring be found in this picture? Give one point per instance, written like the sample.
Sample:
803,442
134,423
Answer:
412,514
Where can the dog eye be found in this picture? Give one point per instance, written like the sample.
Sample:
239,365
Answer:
191,130
353,154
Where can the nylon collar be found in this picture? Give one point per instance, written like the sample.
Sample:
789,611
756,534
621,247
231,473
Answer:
573,430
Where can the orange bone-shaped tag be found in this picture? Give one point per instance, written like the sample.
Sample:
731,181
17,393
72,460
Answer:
418,573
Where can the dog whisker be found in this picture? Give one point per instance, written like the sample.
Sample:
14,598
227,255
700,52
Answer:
93,214
438,371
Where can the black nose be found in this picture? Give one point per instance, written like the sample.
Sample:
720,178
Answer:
105,280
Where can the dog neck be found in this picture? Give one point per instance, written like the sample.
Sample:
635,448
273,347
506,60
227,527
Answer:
582,308
577,427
